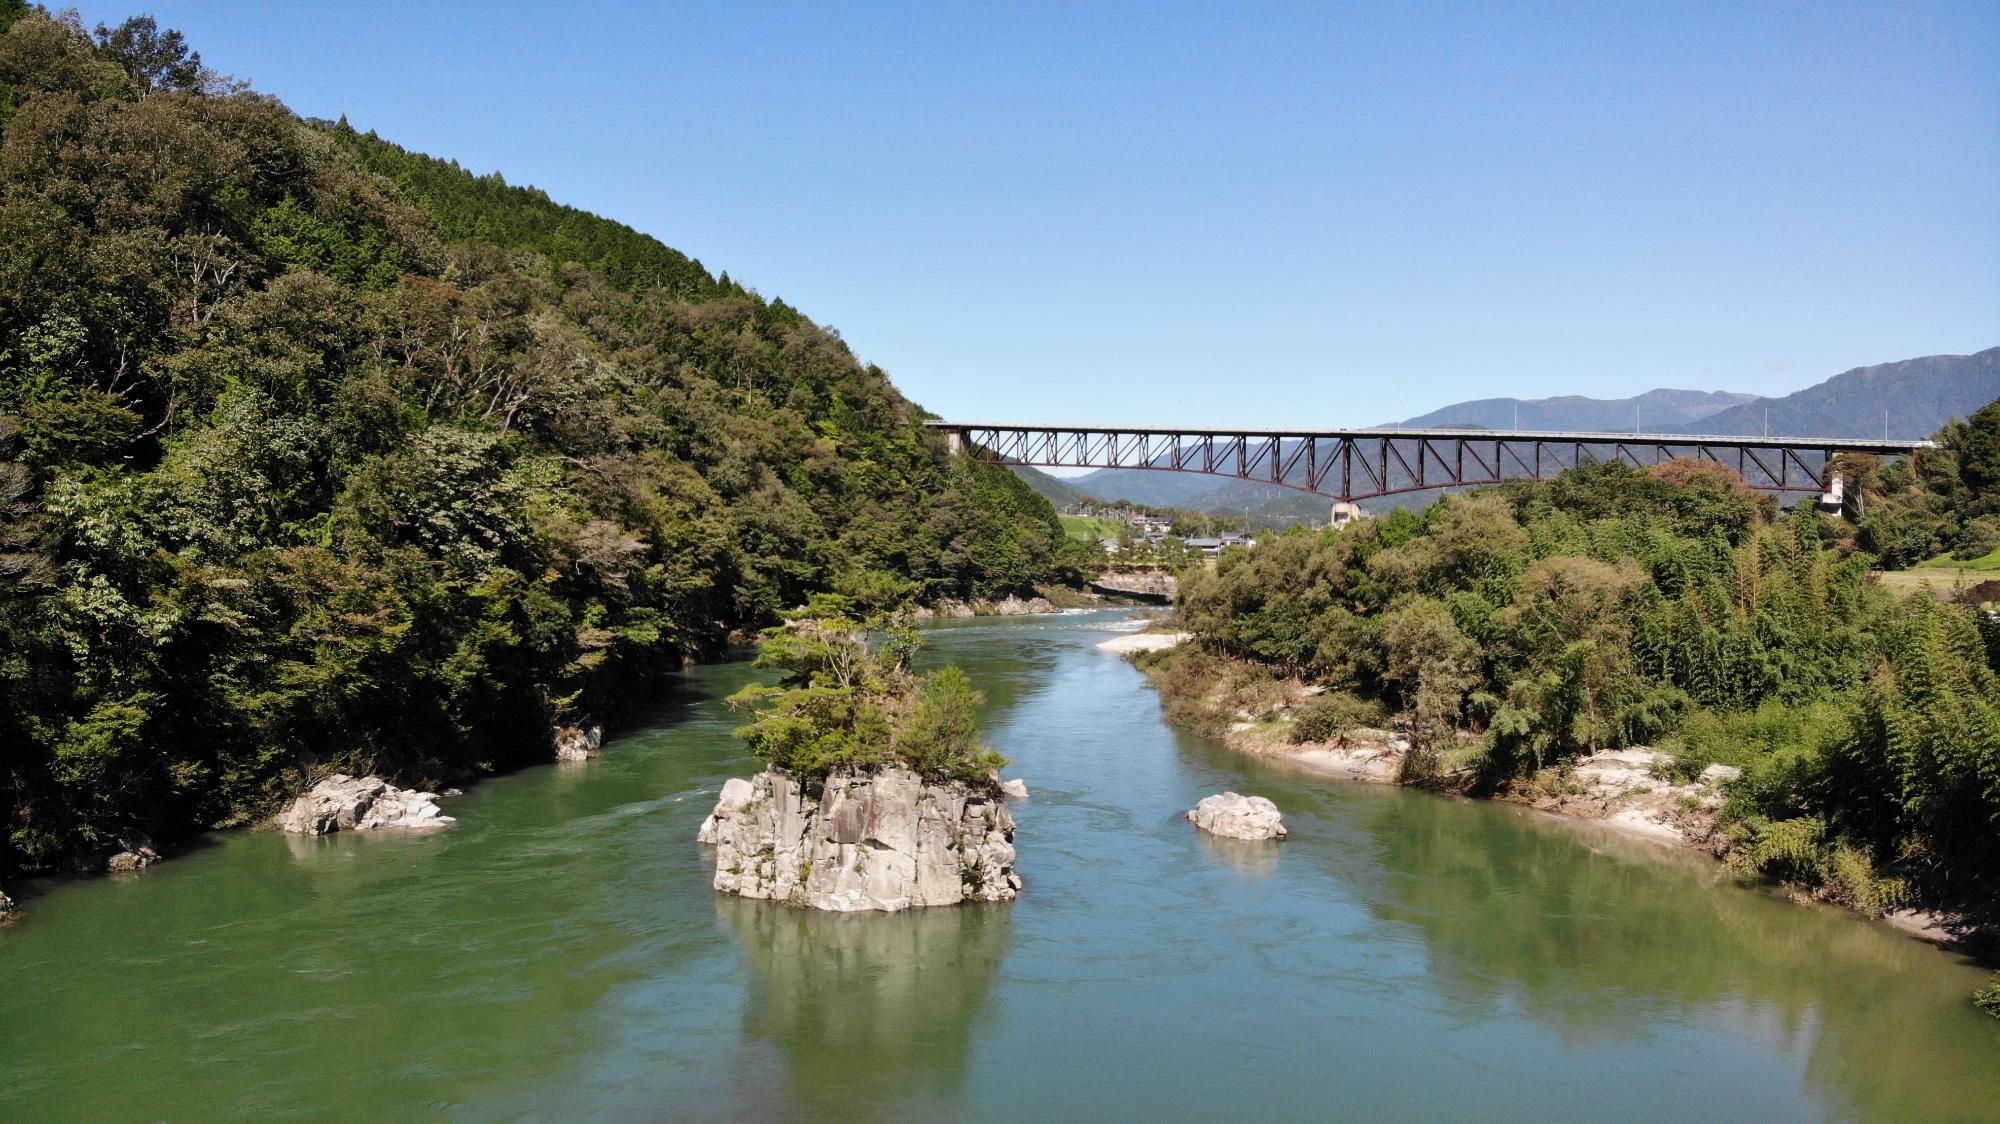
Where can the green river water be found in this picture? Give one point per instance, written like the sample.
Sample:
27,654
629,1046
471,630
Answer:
559,955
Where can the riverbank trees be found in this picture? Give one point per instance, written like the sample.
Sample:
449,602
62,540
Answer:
317,453
1668,607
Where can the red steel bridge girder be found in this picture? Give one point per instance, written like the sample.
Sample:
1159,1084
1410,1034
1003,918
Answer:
1364,463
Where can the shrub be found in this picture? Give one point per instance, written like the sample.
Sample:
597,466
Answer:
1987,998
1332,715
939,737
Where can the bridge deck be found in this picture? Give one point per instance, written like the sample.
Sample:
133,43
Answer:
1351,464
1878,446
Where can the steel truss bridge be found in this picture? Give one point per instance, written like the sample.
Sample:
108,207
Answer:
1356,464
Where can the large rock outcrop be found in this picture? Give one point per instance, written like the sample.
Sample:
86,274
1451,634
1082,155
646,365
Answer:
344,803
1156,586
1012,606
578,743
883,840
1238,817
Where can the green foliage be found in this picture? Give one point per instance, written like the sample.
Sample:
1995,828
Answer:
1987,998
939,735
1332,715
1946,502
844,705
316,452
1669,607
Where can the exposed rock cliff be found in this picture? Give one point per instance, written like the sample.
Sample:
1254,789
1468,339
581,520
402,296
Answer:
878,841
1145,585
1238,817
344,803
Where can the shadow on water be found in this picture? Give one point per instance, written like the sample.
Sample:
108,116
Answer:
869,1012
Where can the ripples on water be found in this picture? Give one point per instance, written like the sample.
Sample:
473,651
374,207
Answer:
559,954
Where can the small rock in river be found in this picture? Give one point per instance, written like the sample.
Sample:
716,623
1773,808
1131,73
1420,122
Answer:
1238,817
1017,788
135,857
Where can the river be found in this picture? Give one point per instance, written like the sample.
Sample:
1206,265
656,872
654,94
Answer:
559,954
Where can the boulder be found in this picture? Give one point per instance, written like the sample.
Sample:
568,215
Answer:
137,855
949,608
578,743
344,803
1016,788
6,907
1238,817
1720,774
880,840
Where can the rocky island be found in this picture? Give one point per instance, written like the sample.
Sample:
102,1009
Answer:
877,792
886,840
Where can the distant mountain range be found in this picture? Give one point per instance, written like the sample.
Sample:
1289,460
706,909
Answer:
1918,396
1653,411
1907,400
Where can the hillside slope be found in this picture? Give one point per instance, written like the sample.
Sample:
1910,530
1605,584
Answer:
306,467
1908,400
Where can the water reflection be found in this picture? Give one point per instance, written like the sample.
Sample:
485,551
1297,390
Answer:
1620,941
1254,858
868,1009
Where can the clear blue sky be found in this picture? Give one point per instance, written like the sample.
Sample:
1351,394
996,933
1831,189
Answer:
1256,214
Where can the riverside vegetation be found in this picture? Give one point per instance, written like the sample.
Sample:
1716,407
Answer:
319,455
1512,630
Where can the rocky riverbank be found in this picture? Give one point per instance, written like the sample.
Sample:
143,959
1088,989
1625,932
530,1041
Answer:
344,803
1636,791
1008,606
886,840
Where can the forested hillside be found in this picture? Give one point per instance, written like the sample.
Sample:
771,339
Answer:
315,452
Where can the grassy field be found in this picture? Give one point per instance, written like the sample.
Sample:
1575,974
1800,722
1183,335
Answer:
1089,527
1944,576
1987,563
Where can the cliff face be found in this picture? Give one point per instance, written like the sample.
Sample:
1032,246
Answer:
880,841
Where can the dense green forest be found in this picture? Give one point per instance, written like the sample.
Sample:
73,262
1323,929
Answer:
1521,626
315,452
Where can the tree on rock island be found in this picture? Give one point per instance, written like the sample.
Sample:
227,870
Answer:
847,704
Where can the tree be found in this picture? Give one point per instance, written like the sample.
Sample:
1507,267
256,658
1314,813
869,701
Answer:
160,59
1433,665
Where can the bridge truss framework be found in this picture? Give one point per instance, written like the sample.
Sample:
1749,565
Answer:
1356,464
